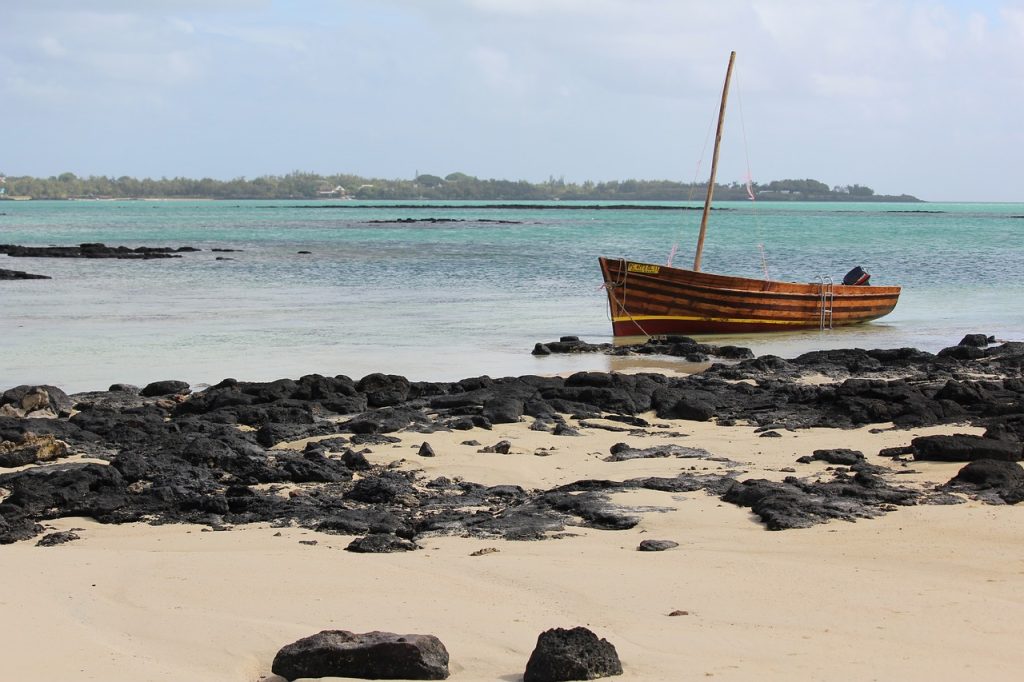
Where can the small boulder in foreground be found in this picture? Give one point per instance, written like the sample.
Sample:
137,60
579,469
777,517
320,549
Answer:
58,538
30,450
367,656
990,473
962,447
166,387
575,654
381,543
36,400
977,340
985,477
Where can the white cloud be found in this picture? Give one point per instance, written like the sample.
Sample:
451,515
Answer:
495,66
115,48
589,88
930,31
51,47
34,90
534,8
977,29
847,86
182,26
276,37
1014,18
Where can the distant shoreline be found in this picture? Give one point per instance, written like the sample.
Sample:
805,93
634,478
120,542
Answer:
422,202
452,187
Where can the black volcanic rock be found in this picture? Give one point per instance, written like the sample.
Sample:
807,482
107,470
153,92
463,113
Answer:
19,274
15,528
990,473
690,406
356,461
501,410
369,656
620,452
593,508
65,490
676,346
963,447
214,457
58,538
852,360
381,543
166,387
31,449
94,250
313,467
842,456
387,487
976,340
384,390
571,654
384,420
965,352
795,503
991,481
32,398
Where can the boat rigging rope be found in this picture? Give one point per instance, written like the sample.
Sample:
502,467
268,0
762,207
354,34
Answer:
609,286
749,180
693,183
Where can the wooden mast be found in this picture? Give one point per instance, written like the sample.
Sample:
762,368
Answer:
714,165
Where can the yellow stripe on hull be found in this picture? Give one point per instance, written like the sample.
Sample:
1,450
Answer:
689,318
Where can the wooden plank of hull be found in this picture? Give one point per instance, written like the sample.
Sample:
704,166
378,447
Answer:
653,299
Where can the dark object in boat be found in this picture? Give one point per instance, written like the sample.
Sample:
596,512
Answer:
857,277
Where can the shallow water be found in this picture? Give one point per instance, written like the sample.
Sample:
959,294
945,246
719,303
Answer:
441,301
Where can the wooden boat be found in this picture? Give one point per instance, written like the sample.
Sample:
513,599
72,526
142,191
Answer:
655,300
658,300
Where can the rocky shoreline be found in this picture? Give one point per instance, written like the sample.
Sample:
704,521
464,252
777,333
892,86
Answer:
95,250
20,274
91,250
165,455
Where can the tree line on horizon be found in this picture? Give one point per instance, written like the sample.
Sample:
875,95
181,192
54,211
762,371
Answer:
455,186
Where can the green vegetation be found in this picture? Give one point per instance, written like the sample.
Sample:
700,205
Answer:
455,186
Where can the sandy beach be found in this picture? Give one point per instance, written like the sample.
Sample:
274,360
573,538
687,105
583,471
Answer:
921,593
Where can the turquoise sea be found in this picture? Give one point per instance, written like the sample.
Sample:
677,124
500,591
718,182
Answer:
447,300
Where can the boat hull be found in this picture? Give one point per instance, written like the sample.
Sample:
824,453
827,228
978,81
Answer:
656,300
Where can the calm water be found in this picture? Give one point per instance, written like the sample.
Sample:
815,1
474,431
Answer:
447,300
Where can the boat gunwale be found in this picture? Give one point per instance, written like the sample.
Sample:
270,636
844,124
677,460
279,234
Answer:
813,289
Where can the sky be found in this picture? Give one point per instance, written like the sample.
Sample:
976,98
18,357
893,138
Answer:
904,96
